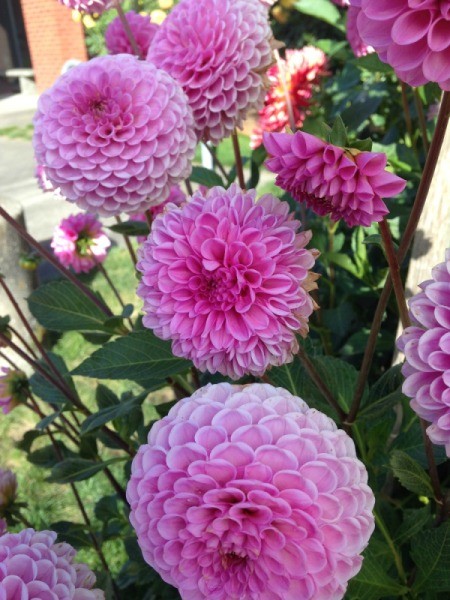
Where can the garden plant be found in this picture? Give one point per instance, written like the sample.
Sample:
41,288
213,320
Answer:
216,402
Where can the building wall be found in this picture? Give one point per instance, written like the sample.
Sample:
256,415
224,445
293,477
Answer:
53,38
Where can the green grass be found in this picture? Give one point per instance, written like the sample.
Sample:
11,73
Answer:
18,133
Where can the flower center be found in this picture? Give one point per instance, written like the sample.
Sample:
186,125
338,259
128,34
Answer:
84,243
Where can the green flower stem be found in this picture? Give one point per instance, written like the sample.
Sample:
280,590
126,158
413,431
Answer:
26,345
182,382
128,32
129,245
395,553
238,159
422,122
407,112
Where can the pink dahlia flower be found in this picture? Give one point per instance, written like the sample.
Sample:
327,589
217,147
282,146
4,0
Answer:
302,71
354,39
413,36
89,6
245,492
227,279
12,384
426,345
80,242
176,197
32,566
142,29
218,50
341,182
8,489
115,134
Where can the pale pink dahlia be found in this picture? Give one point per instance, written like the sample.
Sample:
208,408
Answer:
114,134
218,50
89,6
8,489
413,36
33,566
245,492
427,349
354,39
302,70
142,28
176,197
12,385
80,242
341,182
227,279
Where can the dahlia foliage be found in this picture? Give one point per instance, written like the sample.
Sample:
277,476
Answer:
246,492
426,345
298,74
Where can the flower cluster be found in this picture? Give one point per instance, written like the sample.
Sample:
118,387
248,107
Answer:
245,492
341,182
410,35
89,6
301,70
141,27
115,134
12,383
227,279
8,489
79,242
426,345
218,50
32,565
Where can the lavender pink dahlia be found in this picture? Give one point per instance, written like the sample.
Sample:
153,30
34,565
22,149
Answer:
245,492
33,565
426,345
413,36
141,27
341,182
89,6
218,50
114,134
80,242
227,280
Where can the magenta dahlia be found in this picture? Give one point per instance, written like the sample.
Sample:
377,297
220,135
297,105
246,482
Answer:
413,36
302,70
90,6
176,197
8,489
12,385
341,182
354,39
245,492
142,28
80,242
426,345
33,566
227,279
218,50
115,134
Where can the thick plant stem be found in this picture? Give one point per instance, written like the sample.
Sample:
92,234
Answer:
109,281
394,271
52,260
24,342
419,203
128,32
116,485
149,218
128,244
238,158
322,387
189,188
9,361
422,122
287,96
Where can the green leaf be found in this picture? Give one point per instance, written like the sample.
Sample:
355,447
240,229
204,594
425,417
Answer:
135,228
378,408
139,356
372,63
47,458
410,474
414,521
105,397
112,412
338,135
430,550
345,262
77,469
48,420
205,177
41,387
61,306
363,145
321,9
72,533
28,438
411,442
317,127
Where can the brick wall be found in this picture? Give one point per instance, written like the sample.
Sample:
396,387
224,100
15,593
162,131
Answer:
53,38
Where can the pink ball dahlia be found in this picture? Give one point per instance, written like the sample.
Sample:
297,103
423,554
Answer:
12,384
142,29
302,71
114,134
245,492
413,36
80,242
341,182
218,50
354,39
426,345
89,6
227,279
32,566
176,197
8,489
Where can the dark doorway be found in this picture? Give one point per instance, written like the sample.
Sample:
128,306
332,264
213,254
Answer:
14,52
